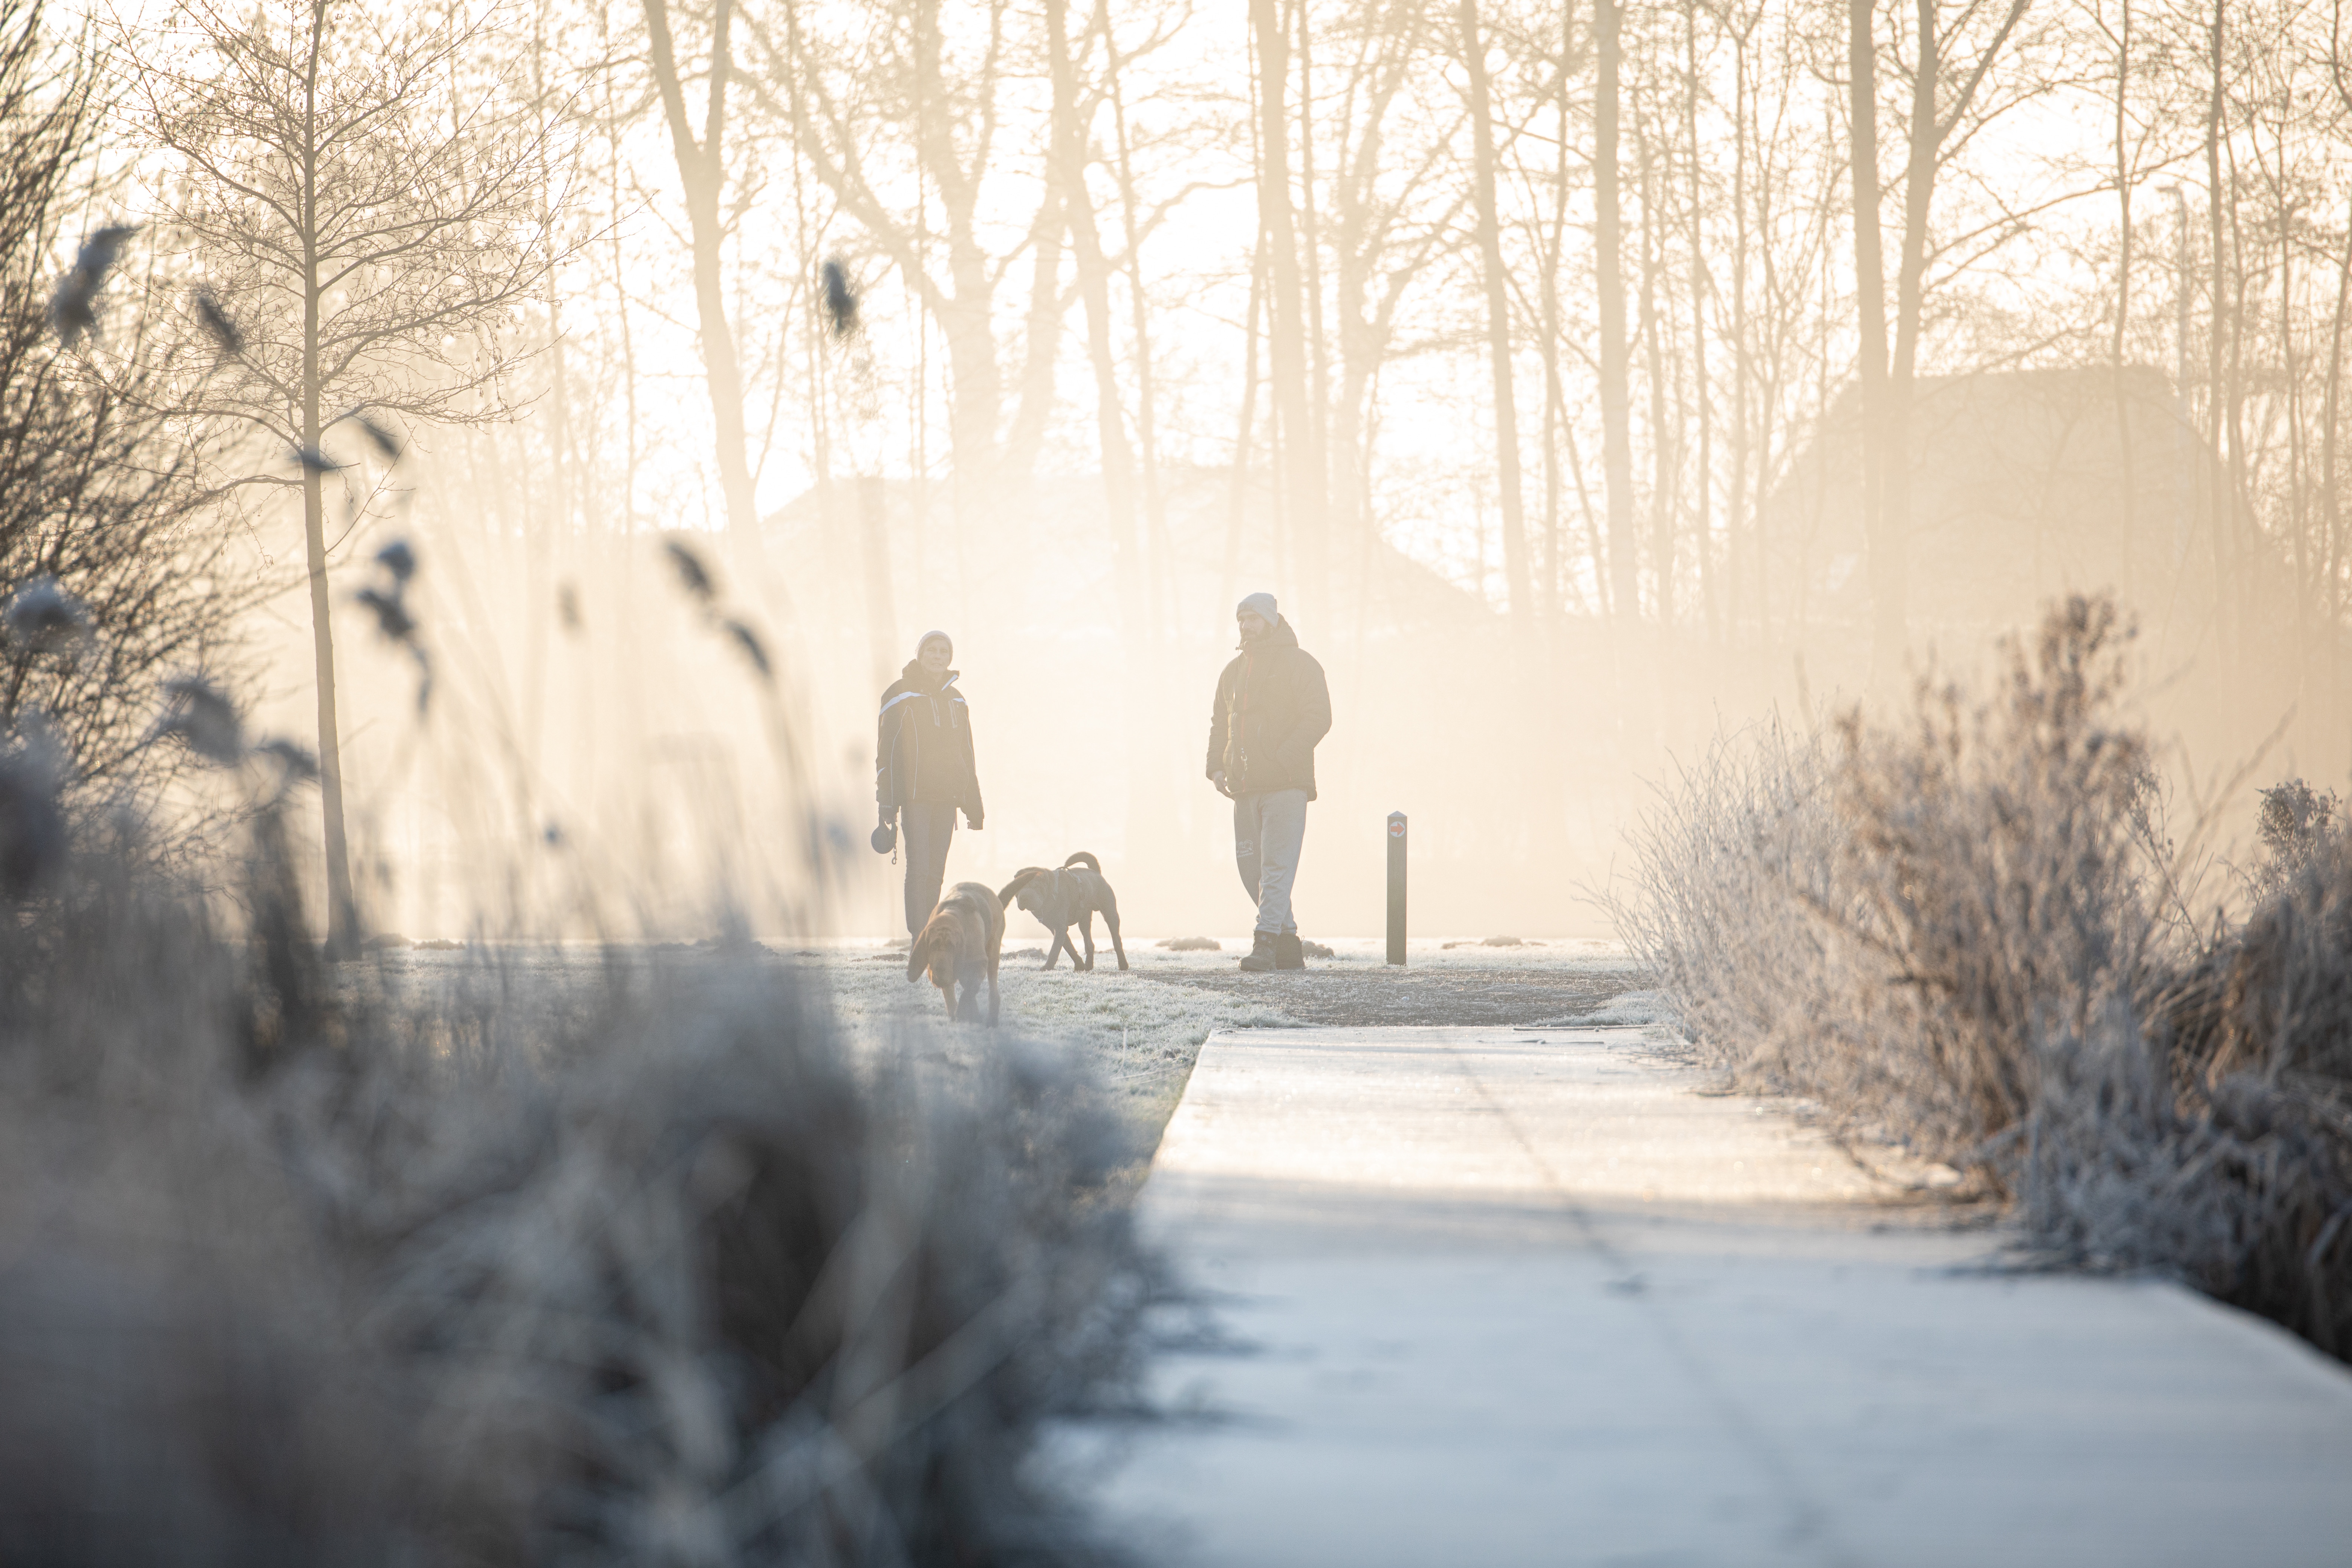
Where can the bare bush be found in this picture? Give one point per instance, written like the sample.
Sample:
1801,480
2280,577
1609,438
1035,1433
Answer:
1990,844
1964,934
1729,863
1883,918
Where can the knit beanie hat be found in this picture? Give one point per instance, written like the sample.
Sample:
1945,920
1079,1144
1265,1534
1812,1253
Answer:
923,641
1260,603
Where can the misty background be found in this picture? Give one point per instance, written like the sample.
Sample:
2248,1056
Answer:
1532,356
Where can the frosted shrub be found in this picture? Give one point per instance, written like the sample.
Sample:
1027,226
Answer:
1730,864
1963,934
1994,847
1882,917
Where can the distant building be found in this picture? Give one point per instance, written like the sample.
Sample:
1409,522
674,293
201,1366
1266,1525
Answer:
2025,485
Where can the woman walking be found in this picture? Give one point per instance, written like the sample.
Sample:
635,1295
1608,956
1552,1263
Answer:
923,771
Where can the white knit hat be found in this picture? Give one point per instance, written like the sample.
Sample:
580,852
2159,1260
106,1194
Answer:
1263,604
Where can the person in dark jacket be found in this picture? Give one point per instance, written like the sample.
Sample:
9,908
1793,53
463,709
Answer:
923,771
1273,705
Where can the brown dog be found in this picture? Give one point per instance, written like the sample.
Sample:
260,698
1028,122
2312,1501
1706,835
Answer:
959,945
1065,897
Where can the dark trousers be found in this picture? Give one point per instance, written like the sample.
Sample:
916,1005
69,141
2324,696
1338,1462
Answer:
924,834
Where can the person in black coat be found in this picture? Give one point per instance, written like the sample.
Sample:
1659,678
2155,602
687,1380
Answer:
923,769
1272,706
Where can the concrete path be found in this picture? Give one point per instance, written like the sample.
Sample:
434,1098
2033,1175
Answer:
1491,1298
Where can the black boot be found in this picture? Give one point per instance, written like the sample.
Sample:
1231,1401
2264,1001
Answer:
1261,952
1286,952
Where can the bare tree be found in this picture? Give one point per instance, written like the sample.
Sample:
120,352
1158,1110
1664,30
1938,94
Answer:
896,97
361,191
1946,85
1515,573
1302,467
109,562
702,171
1071,157
1392,217
1609,273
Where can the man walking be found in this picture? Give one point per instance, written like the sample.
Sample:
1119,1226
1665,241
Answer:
1273,705
923,771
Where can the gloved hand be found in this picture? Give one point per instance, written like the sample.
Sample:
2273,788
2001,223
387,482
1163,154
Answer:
972,822
1218,779
887,817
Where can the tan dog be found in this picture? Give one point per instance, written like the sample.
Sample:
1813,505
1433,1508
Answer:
959,945
1068,896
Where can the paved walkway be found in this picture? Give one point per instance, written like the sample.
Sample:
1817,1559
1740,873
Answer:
1496,1298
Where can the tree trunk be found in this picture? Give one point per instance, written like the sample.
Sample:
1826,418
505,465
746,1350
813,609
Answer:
702,172
1702,521
1736,504
1094,290
2331,485
2122,305
2222,504
342,913
1516,575
1616,355
976,333
1287,339
1237,492
1891,586
1665,433
1311,261
1146,412
1886,568
1550,597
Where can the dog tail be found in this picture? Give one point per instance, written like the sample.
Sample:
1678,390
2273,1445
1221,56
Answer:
1083,858
1021,879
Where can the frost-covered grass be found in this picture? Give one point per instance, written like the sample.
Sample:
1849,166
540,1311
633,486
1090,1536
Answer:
1138,1035
1142,1034
1644,1009
1140,1030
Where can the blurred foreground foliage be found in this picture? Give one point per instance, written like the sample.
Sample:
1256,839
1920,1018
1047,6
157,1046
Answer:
633,1259
1970,930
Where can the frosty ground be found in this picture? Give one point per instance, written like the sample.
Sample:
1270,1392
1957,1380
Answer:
1144,1026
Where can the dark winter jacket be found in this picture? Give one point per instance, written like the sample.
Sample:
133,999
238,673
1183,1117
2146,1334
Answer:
1273,705
922,745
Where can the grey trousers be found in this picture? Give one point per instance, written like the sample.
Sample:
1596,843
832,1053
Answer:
924,834
1268,830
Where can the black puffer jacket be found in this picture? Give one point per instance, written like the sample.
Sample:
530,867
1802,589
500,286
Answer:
922,745
1272,706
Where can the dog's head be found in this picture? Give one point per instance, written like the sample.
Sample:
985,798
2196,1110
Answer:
940,945
1027,887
